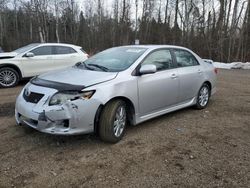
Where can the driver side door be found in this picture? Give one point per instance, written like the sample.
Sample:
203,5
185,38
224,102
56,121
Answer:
41,62
159,90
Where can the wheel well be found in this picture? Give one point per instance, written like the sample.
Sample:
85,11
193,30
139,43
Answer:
209,84
130,110
13,67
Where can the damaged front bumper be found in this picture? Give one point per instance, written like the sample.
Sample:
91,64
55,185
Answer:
73,117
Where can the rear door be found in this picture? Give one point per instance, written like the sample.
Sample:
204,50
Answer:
65,56
159,90
190,74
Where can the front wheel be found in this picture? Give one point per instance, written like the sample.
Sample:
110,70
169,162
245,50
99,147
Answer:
8,77
203,97
113,121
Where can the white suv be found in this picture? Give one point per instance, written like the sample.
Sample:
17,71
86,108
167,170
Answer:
35,59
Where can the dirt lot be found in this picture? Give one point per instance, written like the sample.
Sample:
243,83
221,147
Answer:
188,148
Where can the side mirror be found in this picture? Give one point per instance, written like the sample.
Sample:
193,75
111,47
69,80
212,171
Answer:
147,69
29,54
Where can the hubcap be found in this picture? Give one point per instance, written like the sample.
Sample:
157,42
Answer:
203,96
7,78
120,121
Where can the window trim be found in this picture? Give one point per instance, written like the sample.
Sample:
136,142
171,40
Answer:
173,51
135,72
53,50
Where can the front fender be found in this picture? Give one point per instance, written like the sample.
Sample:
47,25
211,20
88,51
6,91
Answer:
11,65
126,88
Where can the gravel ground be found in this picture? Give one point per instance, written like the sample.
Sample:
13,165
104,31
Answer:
187,148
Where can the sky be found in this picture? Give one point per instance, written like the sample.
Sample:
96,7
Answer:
108,6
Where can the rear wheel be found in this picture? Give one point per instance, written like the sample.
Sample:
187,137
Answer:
203,97
113,121
8,77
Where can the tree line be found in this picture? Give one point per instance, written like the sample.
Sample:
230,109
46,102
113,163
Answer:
215,29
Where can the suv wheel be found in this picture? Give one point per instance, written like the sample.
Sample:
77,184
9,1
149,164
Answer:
8,77
113,121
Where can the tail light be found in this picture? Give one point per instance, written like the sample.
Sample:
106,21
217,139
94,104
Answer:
215,70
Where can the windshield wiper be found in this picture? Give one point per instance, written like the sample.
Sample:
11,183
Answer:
99,66
83,64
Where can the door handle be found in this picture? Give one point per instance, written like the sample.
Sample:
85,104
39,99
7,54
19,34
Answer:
173,76
199,71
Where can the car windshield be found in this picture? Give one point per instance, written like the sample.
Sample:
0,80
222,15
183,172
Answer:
114,59
25,48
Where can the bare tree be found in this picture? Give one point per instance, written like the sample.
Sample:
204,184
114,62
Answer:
2,3
217,29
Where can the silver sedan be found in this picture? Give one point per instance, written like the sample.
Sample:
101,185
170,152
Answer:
121,85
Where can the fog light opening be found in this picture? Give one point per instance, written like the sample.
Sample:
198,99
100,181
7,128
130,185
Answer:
64,123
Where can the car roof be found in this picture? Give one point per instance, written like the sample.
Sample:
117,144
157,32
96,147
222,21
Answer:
59,44
156,46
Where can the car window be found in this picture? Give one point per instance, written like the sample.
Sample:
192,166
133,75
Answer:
161,59
44,50
185,58
115,59
63,50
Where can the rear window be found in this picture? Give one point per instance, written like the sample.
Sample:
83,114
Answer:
83,51
185,58
63,50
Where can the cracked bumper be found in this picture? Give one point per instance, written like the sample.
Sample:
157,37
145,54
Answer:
71,118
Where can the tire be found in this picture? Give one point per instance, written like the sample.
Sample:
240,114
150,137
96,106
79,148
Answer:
9,77
203,97
110,116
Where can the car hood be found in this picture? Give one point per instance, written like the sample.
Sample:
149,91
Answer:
6,55
77,77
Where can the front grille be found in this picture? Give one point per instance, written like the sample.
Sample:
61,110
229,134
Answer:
32,97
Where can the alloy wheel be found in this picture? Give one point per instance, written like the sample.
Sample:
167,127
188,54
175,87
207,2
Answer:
120,121
203,96
7,78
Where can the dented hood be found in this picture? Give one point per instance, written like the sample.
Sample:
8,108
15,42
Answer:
6,55
79,77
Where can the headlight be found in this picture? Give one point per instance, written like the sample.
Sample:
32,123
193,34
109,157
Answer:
63,97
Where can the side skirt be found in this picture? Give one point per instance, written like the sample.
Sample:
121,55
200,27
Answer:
167,110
